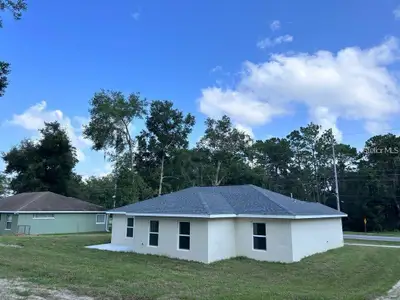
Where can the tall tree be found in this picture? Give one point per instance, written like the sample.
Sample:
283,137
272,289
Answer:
4,185
125,192
187,168
224,145
167,130
274,157
16,7
100,190
111,117
4,72
307,147
46,165
378,180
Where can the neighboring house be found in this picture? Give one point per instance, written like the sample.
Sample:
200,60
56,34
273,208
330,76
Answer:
208,224
49,213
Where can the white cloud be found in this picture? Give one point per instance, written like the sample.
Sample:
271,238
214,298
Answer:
100,172
396,13
354,84
136,16
275,25
268,42
34,117
269,136
216,69
327,120
242,107
245,129
376,128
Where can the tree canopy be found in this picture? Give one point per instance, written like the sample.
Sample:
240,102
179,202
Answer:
4,185
44,165
160,159
167,130
15,7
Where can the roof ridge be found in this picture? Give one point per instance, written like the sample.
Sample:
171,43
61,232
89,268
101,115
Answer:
204,202
269,198
33,200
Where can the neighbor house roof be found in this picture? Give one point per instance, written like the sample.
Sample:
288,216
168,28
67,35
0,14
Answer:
233,201
45,202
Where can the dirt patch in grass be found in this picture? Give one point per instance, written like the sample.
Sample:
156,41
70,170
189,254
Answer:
17,289
10,245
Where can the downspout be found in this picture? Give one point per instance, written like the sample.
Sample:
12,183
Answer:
107,215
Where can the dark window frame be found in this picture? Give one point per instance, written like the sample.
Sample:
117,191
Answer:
130,228
259,235
184,236
154,233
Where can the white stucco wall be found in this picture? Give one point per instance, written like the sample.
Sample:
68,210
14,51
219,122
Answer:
221,239
315,236
279,241
215,239
168,237
118,231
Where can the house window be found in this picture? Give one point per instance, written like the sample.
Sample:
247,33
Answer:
130,224
153,233
8,222
184,236
43,216
100,219
259,236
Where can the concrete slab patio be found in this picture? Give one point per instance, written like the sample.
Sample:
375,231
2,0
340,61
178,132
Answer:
111,247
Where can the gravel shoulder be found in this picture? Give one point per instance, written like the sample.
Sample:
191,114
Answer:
17,289
394,293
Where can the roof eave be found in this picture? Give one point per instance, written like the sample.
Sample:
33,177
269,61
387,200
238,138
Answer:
132,214
291,217
214,216
53,212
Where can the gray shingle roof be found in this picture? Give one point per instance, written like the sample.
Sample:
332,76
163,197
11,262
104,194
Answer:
45,201
238,200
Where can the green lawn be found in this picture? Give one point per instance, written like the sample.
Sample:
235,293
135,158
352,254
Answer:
351,272
385,233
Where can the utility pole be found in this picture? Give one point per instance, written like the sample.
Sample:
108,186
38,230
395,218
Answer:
336,180
115,195
115,188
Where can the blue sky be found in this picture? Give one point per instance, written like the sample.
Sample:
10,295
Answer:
272,66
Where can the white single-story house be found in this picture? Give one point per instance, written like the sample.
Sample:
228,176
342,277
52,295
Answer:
208,224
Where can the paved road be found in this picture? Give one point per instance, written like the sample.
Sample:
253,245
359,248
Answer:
372,245
372,237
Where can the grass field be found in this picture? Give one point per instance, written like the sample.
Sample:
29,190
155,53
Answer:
352,272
